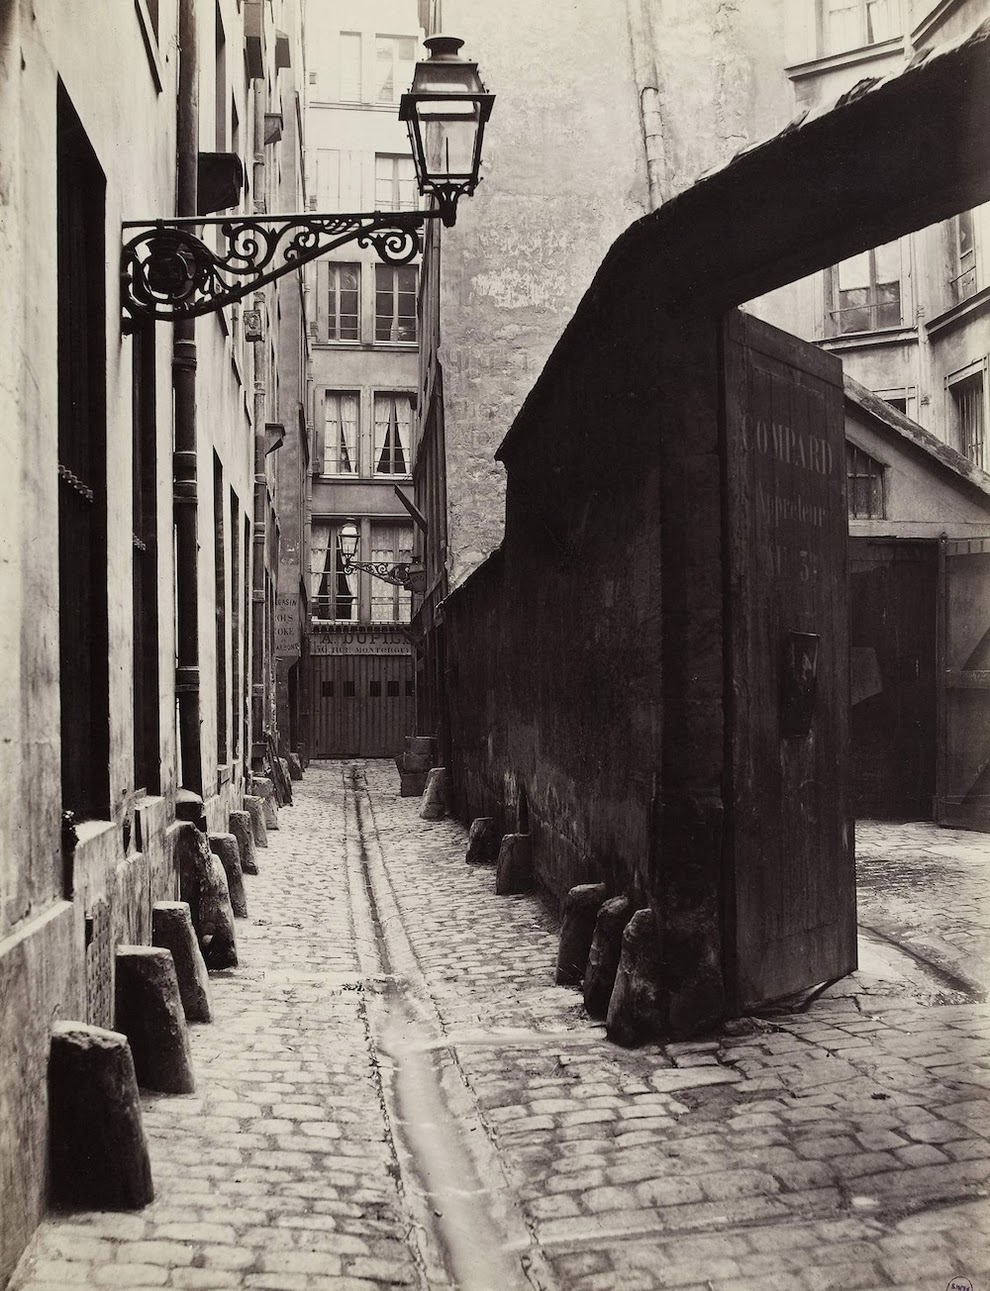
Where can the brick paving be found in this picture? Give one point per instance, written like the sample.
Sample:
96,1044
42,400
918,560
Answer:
845,1144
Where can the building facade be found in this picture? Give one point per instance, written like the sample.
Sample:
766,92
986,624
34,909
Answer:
363,334
140,524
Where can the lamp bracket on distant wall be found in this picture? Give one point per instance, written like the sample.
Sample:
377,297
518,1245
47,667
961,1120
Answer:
169,272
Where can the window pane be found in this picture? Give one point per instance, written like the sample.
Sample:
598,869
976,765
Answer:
881,20
888,262
854,272
344,302
888,304
854,310
844,25
970,413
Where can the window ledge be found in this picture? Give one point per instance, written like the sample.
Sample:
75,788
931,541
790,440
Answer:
967,309
864,340
885,49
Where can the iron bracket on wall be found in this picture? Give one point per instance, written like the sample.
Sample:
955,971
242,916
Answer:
169,272
404,575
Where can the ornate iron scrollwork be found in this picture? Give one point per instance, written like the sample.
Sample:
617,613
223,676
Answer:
169,271
396,574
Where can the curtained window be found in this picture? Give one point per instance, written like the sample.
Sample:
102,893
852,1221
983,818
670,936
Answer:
393,420
340,433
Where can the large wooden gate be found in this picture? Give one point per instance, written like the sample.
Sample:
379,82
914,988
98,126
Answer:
362,699
964,638
790,901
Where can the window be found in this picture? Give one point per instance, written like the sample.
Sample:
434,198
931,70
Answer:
144,562
344,303
335,180
395,57
395,183
84,683
391,544
235,624
393,421
864,485
850,24
334,592
220,84
350,67
866,290
964,282
340,433
967,396
395,302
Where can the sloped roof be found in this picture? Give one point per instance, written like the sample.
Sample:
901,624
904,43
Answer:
895,423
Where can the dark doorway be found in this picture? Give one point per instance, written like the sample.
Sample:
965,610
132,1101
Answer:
892,609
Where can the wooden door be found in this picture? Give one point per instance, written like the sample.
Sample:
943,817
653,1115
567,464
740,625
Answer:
790,897
892,600
964,727
362,706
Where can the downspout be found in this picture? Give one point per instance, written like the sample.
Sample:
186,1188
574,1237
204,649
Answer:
642,41
259,601
184,473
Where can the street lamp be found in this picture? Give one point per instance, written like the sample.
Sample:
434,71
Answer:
168,272
410,575
446,112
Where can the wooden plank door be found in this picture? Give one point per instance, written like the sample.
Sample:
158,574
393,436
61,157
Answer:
363,705
790,896
963,798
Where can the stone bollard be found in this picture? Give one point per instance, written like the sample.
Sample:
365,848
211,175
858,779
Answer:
172,929
265,790
149,1012
295,766
581,906
99,1155
240,827
225,846
635,1011
255,808
483,841
203,884
603,957
515,865
434,804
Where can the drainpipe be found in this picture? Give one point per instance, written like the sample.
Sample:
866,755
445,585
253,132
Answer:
642,40
184,482
259,600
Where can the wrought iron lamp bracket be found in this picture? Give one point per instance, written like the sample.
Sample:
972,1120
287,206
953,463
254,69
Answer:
395,574
169,272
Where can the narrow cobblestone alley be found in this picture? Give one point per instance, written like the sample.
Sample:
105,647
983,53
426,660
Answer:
395,1093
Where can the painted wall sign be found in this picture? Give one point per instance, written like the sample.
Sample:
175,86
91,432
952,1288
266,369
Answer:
287,625
359,641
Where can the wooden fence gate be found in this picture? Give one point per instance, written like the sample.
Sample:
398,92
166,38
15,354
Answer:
362,705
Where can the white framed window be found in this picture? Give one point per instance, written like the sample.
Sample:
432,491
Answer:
864,485
391,544
335,180
395,58
866,291
333,593
341,411
964,282
349,86
395,183
968,398
852,24
344,302
395,302
393,425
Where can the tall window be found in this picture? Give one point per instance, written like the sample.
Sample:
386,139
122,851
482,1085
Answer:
144,562
866,290
964,282
334,592
344,303
84,688
235,625
392,545
395,58
340,433
393,421
350,67
849,24
395,183
395,302
335,180
864,484
968,398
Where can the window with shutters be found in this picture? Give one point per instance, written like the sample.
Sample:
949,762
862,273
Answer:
82,469
340,432
350,67
344,302
393,427
395,303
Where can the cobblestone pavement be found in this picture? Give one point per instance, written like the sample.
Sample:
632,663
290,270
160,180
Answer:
394,1092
